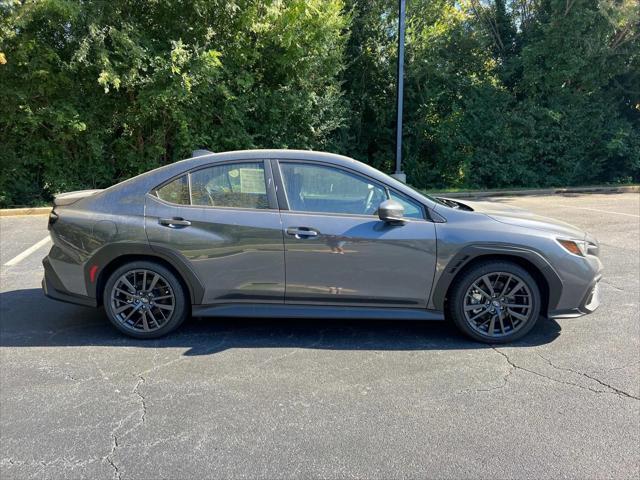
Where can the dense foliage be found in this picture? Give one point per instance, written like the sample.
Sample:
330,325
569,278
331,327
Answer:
497,92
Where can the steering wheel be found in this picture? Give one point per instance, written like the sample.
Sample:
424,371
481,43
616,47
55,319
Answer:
204,194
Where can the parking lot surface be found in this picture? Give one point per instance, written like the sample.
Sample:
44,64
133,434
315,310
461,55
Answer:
326,399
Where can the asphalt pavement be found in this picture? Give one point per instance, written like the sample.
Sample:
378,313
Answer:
277,398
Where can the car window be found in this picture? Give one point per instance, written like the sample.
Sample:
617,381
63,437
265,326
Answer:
412,209
176,191
240,185
315,188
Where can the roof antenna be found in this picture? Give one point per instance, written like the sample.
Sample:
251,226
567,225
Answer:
200,153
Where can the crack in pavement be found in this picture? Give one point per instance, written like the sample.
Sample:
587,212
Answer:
612,390
143,400
505,380
109,458
616,390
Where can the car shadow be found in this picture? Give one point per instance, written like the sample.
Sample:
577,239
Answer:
29,319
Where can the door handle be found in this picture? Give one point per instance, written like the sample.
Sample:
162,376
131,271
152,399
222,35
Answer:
175,222
301,232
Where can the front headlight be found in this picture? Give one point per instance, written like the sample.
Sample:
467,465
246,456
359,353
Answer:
577,247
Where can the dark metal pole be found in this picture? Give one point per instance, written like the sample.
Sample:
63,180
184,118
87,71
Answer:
400,91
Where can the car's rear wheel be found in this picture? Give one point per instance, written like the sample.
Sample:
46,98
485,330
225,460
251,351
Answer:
495,302
145,299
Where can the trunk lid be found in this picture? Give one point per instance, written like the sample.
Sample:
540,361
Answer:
69,198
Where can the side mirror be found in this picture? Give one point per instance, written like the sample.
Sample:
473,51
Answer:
391,211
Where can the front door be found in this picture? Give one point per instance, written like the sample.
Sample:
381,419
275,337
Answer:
224,220
338,252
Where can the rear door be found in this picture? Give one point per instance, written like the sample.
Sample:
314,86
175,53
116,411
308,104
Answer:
337,250
223,219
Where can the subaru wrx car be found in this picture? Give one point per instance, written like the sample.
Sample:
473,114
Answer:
300,234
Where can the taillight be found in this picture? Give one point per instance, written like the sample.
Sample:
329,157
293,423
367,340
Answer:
53,218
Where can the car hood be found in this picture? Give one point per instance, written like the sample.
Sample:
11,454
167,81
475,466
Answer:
519,217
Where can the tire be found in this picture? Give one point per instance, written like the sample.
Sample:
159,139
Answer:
147,311
478,309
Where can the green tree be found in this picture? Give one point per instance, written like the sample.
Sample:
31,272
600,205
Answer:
99,91
498,93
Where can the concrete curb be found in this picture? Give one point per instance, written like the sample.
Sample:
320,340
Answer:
540,191
10,212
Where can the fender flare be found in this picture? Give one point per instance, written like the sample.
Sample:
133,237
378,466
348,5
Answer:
473,252
107,254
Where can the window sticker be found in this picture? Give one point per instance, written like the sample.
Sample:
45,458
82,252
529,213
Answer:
252,180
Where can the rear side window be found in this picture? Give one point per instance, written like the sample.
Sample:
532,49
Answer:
176,191
238,185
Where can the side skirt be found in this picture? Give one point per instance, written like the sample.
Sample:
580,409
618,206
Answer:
265,310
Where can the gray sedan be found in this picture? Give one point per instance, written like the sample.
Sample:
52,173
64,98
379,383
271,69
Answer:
300,234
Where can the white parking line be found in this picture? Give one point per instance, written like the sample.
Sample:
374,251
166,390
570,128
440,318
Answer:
27,252
608,211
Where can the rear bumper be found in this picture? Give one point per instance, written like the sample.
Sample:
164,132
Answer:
589,303
54,289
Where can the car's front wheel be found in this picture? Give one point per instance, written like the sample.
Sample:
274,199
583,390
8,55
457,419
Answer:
145,299
495,302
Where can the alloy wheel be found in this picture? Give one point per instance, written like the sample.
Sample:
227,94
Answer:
142,300
498,304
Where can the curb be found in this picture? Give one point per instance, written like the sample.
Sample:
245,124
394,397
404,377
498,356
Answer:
13,212
540,191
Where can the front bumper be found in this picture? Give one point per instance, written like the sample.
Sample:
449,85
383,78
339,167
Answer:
589,303
54,289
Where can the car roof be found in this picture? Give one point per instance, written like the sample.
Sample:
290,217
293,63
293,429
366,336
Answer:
274,153
155,177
